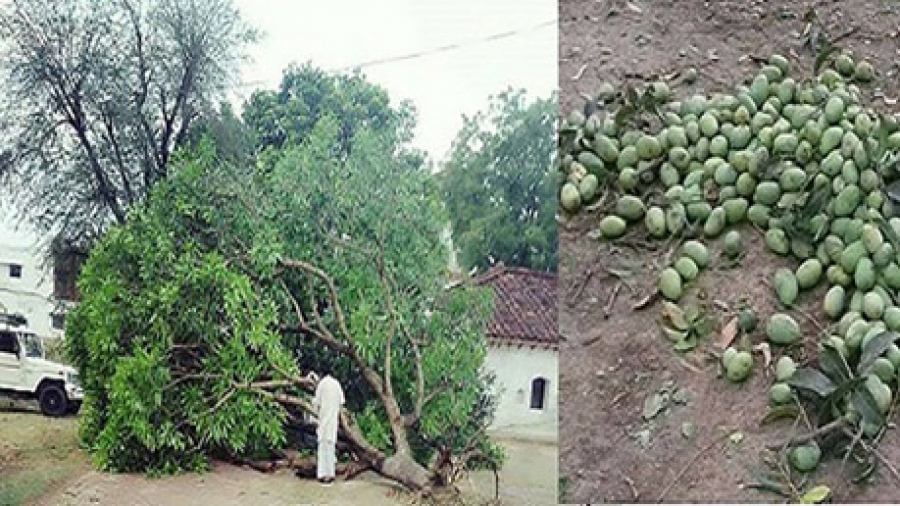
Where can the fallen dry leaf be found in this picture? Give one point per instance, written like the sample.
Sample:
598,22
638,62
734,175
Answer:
729,332
641,304
675,315
766,353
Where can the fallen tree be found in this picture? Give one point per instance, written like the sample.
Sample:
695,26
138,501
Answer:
203,313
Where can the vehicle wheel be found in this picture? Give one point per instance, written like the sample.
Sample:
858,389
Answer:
74,407
53,400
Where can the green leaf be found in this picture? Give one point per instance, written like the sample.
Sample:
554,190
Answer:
833,364
813,380
874,349
815,495
826,50
866,405
686,344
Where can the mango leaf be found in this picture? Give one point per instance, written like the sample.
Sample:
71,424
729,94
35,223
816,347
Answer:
674,335
887,230
703,326
867,406
686,344
833,364
893,191
812,379
874,349
780,412
843,389
815,495
825,51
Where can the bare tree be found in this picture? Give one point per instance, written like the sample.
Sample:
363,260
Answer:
97,96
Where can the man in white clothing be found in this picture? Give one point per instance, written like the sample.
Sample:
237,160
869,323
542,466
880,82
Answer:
327,404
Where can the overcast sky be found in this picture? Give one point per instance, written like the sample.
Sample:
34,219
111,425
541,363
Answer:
335,34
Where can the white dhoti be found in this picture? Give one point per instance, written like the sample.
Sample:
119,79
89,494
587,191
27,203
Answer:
327,459
327,402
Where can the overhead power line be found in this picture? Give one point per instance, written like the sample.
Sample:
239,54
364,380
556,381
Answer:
427,52
448,47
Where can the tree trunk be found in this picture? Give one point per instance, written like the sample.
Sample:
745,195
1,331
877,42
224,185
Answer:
403,469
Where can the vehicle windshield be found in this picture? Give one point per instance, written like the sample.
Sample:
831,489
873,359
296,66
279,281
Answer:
32,345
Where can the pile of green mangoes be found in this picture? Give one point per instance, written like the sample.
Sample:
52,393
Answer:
804,161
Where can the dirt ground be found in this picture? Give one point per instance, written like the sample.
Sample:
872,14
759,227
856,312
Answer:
37,453
609,366
40,463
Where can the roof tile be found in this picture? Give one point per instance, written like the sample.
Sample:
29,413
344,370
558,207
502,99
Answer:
524,305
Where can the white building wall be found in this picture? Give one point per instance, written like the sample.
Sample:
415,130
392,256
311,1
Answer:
515,368
30,295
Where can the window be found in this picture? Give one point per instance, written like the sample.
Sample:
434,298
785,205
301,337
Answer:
58,321
538,393
15,271
8,343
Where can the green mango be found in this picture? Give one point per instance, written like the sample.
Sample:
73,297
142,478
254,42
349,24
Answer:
767,193
686,268
715,223
777,241
834,301
655,221
670,284
630,207
612,226
696,251
570,198
809,273
786,286
782,329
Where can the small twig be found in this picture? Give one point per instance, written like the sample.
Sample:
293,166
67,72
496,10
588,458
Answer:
612,299
810,318
856,438
689,464
634,491
845,34
581,286
580,72
880,456
688,365
826,429
617,398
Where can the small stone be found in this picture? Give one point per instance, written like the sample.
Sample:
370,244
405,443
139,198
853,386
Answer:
680,396
653,405
643,438
688,430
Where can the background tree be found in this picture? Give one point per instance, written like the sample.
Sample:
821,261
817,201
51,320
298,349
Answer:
232,139
307,94
497,185
202,313
97,94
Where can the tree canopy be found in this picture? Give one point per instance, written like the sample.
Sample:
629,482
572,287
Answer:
307,94
498,186
202,313
97,95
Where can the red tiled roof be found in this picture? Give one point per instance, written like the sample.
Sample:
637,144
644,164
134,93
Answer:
524,305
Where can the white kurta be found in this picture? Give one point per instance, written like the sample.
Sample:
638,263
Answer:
327,403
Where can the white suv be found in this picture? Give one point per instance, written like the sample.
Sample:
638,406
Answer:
25,374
